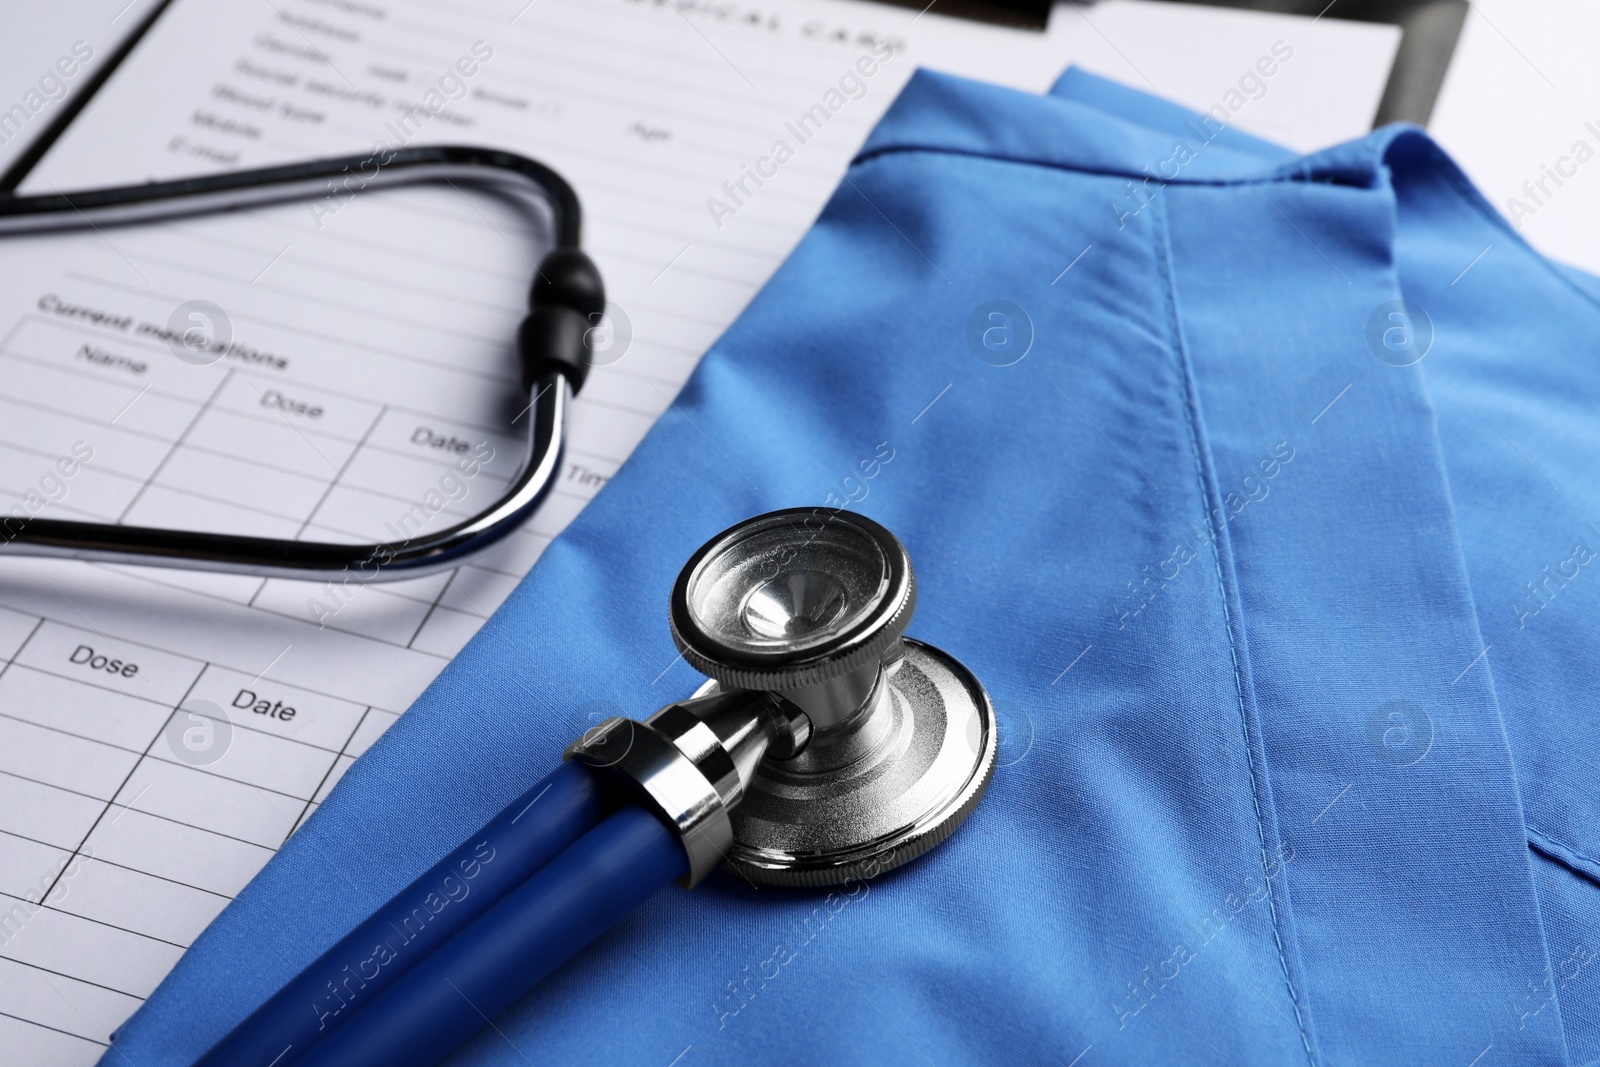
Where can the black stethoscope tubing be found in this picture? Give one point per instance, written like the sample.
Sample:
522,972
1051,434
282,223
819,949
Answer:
553,345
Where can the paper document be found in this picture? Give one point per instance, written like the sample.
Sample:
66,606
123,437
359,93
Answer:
342,369
1517,111
48,54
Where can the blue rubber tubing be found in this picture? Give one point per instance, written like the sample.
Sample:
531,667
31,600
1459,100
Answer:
505,853
447,997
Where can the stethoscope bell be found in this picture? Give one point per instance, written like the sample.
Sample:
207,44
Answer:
831,747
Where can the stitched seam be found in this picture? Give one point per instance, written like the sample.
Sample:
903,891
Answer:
1563,854
1191,411
1273,174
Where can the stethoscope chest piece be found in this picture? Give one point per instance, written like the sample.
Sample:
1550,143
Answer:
880,745
878,795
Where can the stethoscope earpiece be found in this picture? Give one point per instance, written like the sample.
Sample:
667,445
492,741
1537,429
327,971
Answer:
827,746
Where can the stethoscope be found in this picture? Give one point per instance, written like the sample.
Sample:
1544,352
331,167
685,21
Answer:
565,303
826,749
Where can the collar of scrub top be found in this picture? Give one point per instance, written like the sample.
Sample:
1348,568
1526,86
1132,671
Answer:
1202,844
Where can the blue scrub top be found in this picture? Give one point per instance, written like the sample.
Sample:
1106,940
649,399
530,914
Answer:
1260,491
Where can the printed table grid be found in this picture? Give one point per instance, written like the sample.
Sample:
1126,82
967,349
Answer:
351,487
108,924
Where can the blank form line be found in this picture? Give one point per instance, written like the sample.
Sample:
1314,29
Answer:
669,266
129,404
269,266
105,1038
47,1026
126,779
200,413
433,607
339,476
271,665
708,41
310,44
146,814
120,866
101,232
501,233
72,977
317,296
129,806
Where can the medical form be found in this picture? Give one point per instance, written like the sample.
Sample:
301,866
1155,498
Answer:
341,368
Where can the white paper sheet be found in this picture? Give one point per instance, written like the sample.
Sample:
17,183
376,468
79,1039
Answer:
48,53
1518,110
148,766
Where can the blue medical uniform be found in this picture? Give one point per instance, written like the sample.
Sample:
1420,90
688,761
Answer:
1258,490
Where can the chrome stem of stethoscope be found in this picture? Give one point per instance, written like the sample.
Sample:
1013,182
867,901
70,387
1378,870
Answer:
553,345
827,746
